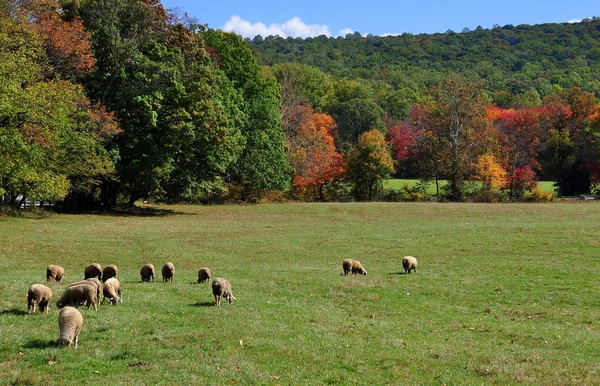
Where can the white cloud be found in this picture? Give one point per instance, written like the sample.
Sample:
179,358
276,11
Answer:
390,34
574,20
294,27
345,31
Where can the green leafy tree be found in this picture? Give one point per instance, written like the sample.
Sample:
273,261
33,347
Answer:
369,164
263,163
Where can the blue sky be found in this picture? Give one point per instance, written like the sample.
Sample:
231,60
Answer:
312,18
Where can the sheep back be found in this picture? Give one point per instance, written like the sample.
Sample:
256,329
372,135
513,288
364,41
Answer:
92,270
38,294
357,268
77,294
409,263
55,272
147,273
168,271
70,321
221,288
93,282
109,271
203,275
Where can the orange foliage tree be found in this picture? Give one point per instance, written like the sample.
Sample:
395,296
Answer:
312,152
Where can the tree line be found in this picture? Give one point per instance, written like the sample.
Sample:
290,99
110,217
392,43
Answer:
113,101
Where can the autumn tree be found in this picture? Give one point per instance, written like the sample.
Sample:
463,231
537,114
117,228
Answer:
312,153
455,129
369,164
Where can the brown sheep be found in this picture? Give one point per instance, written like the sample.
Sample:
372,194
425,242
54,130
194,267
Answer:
38,294
203,275
354,266
55,272
168,272
409,263
147,273
112,290
70,321
221,288
93,270
109,271
79,294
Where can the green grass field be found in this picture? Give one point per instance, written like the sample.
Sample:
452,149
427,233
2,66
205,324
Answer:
397,183
504,294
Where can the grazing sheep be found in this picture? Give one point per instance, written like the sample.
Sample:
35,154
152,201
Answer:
91,281
354,266
168,271
55,272
93,270
109,271
221,288
147,273
112,290
203,275
38,294
78,294
409,262
70,321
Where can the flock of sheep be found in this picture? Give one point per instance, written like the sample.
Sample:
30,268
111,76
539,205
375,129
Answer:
97,280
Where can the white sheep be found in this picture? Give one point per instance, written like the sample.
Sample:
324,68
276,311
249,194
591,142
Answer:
79,294
91,281
93,270
409,263
109,271
203,275
55,272
112,290
70,321
168,272
147,273
354,266
221,288
38,294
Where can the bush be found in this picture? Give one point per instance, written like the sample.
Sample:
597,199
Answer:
538,195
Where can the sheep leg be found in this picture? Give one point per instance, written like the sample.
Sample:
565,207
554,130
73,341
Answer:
76,339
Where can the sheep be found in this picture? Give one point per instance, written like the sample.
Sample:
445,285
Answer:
70,321
168,271
93,270
147,272
55,272
354,266
109,271
112,290
409,262
77,294
221,288
203,275
91,281
38,294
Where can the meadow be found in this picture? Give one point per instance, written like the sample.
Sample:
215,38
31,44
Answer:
504,294
400,183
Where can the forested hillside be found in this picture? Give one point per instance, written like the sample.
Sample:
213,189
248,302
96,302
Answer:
509,58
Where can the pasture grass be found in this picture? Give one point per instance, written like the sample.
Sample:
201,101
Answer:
503,294
399,183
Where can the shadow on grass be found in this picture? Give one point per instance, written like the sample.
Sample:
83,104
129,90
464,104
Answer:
399,273
125,211
41,343
203,304
13,311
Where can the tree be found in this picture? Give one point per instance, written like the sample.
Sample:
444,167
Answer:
262,164
312,153
455,129
492,176
369,164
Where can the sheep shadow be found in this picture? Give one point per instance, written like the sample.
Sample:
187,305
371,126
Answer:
203,304
399,273
41,344
14,311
